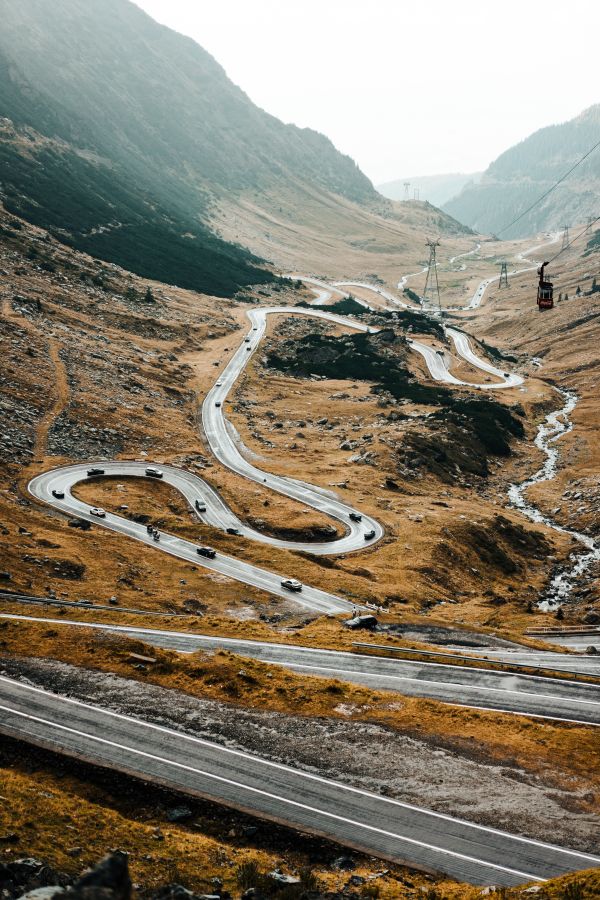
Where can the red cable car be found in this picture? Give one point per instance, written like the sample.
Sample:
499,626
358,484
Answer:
545,291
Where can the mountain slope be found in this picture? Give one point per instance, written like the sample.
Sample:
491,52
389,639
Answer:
436,189
124,148
524,172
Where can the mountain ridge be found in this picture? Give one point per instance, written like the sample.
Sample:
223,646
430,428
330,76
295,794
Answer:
524,172
152,109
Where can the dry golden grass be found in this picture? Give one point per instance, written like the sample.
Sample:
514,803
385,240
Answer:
98,814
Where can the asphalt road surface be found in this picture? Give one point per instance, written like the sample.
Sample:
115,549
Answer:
63,480
225,450
530,695
379,825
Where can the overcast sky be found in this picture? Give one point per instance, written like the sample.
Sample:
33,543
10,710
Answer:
406,87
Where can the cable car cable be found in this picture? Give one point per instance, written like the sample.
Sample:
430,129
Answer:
549,191
577,236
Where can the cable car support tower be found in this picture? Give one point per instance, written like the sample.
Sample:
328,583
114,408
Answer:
432,287
503,274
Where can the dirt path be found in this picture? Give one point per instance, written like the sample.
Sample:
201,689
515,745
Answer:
61,387
61,384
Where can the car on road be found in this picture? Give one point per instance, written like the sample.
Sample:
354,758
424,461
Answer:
248,349
291,584
95,471
355,517
200,506
219,384
218,403
233,531
208,552
153,472
255,328
98,511
369,535
246,340
58,494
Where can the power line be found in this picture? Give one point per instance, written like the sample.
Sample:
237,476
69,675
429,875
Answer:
549,191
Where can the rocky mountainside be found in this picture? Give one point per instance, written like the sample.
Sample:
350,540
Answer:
524,172
123,148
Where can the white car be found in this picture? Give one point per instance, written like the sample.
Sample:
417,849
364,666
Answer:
219,384
98,511
291,584
153,472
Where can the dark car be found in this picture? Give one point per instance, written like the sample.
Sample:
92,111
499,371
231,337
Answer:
95,471
355,517
369,535
206,551
58,494
233,531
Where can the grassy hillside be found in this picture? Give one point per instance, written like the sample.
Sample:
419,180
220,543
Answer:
524,172
123,148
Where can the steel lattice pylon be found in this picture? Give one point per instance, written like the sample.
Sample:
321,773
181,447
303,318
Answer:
432,287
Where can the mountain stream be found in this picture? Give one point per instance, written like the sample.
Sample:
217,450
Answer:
555,426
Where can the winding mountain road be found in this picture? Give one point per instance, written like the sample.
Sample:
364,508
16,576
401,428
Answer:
531,695
388,828
351,816
360,530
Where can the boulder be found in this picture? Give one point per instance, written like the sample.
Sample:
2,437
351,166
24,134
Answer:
178,813
108,880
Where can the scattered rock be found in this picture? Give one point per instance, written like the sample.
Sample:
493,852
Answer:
281,878
344,863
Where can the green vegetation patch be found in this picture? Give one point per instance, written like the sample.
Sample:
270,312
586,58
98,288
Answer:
364,357
460,434
92,208
347,306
